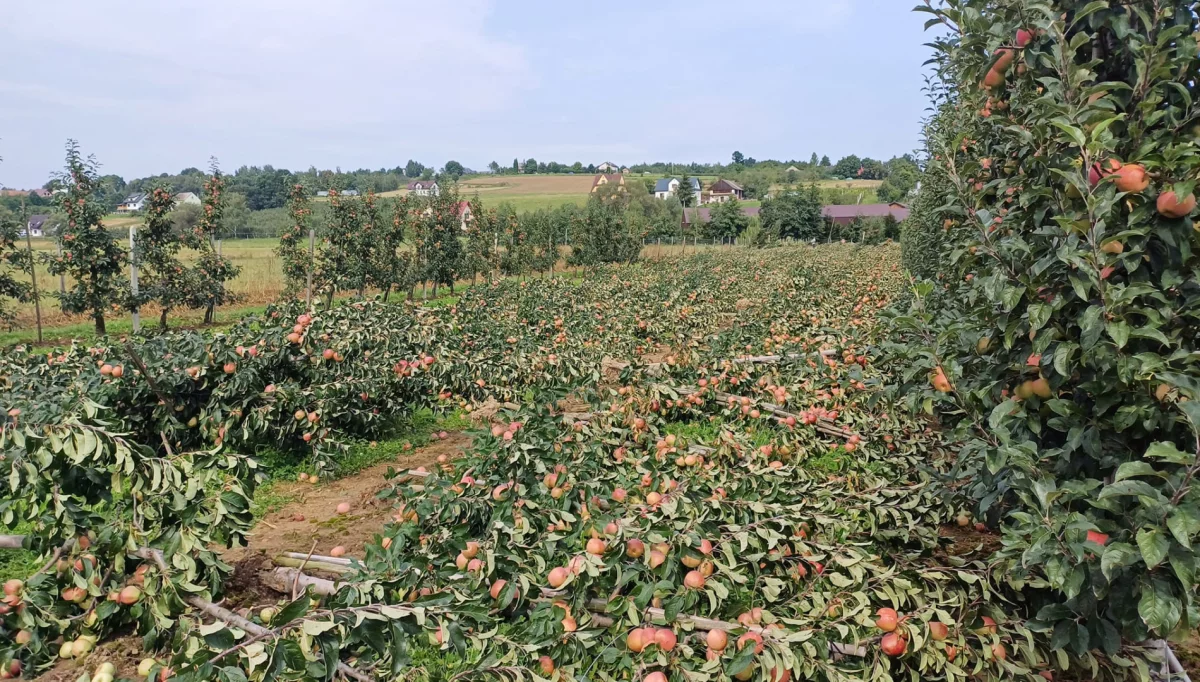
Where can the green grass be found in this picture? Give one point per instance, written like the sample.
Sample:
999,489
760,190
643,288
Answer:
409,432
63,335
17,563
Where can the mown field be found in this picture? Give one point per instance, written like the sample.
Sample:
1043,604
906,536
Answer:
533,192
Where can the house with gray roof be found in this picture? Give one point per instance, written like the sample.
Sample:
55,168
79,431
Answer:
668,186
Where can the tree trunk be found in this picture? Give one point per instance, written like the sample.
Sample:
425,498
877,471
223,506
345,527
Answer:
162,320
387,292
451,286
424,290
435,288
99,317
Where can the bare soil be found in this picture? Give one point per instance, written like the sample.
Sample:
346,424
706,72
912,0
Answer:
311,522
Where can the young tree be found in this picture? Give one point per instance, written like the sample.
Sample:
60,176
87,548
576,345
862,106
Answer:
91,256
212,270
794,214
14,259
443,229
686,193
727,220
293,240
601,234
339,264
482,240
395,266
813,161
164,279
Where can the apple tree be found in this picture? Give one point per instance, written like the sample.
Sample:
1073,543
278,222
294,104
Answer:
91,257
1058,335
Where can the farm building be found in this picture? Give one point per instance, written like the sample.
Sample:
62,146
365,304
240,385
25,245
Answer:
36,226
424,188
187,198
608,179
133,202
607,167
668,186
691,216
724,190
846,214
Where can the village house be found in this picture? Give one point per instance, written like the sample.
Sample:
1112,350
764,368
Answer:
187,198
424,188
608,179
462,209
668,186
36,226
848,213
608,167
133,202
724,190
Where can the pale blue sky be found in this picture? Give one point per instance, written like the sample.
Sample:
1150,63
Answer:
150,86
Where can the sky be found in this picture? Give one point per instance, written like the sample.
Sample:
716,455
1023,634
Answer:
156,87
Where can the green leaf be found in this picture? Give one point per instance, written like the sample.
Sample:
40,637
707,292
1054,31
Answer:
1131,469
1117,555
1154,545
1184,523
1159,609
1119,332
1167,452
1075,134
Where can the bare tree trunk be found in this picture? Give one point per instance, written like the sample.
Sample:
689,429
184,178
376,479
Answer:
99,317
162,319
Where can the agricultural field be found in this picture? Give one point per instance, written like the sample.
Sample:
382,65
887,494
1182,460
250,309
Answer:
690,468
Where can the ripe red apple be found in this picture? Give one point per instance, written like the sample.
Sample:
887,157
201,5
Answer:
497,588
665,639
1097,537
636,640
888,619
656,676
1132,178
751,637
129,595
13,587
717,640
693,580
634,548
938,631
1169,205
546,665
338,551
557,577
1024,37
893,644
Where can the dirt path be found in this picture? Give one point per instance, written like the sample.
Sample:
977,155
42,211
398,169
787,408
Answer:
312,515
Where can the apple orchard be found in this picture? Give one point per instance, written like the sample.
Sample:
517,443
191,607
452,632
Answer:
971,456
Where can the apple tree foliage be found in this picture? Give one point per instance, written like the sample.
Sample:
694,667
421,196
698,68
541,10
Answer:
1060,327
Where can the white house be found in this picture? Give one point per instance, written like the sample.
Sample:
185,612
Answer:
424,188
36,227
133,202
187,198
668,186
608,167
